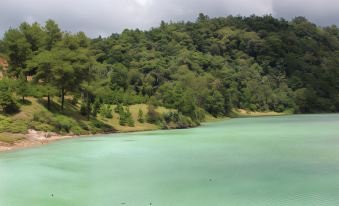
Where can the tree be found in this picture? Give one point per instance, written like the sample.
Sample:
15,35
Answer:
122,117
54,34
8,103
18,50
106,111
23,88
34,34
129,118
44,63
141,116
153,117
119,76
215,103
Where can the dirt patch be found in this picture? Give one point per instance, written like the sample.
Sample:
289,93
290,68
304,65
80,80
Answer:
3,66
31,139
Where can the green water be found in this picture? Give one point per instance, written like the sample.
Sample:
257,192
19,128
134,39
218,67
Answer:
290,160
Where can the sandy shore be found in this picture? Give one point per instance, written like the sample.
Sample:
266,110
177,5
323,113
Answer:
32,139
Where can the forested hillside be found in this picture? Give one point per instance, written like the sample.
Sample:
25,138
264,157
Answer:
212,65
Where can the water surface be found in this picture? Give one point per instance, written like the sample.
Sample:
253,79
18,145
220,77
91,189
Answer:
269,161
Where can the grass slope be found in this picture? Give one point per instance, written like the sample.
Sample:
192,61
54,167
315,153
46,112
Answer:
35,115
247,113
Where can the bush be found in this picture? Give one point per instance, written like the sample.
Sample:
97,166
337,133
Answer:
13,126
153,116
167,117
76,130
106,111
83,109
5,124
184,122
129,118
119,109
96,107
43,117
97,126
141,116
74,101
179,119
8,103
122,118
41,126
63,124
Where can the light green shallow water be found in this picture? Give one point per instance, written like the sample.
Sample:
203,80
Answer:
271,161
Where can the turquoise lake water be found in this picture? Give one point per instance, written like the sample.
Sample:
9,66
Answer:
267,161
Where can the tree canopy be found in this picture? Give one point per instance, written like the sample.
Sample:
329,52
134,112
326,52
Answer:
212,65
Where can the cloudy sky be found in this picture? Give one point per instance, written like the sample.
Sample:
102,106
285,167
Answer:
103,17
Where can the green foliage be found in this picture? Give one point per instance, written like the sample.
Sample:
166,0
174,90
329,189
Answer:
122,116
119,109
8,103
118,76
83,109
96,107
141,116
63,124
13,126
153,117
45,121
23,88
106,111
213,65
98,126
41,126
129,118
179,120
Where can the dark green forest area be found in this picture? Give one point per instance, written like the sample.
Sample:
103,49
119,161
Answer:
212,65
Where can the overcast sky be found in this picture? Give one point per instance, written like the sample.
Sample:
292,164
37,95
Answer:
103,17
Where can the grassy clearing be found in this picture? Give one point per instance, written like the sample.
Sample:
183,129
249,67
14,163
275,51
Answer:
35,115
246,113
10,138
134,109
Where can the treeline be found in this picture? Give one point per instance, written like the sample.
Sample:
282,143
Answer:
210,65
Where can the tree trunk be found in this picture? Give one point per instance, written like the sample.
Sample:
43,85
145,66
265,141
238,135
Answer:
48,101
88,106
62,98
23,99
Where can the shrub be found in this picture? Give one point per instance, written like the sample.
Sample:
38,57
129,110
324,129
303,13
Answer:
8,103
184,122
76,130
43,117
153,116
122,118
106,111
17,126
63,124
41,126
96,107
83,109
129,118
167,116
141,116
98,126
75,101
5,123
119,109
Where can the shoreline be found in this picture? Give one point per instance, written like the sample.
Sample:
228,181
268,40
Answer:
37,138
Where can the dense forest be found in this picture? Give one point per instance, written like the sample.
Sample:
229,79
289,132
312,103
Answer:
210,66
